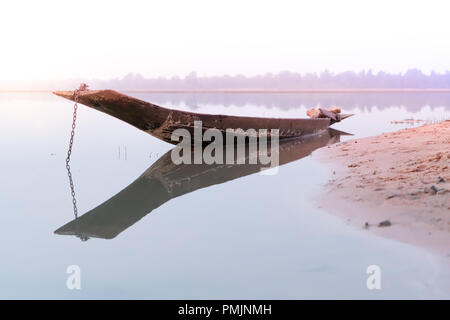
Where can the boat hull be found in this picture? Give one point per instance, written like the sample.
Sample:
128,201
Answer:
162,122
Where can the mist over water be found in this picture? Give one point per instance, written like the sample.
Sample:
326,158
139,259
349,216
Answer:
254,236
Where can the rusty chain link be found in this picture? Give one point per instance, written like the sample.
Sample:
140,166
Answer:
83,87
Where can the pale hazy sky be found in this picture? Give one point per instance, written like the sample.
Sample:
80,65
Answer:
95,39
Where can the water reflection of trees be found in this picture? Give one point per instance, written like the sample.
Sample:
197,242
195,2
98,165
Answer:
411,101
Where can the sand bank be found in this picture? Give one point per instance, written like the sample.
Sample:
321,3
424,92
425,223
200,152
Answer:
399,179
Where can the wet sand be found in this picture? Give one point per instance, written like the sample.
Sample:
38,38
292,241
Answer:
399,179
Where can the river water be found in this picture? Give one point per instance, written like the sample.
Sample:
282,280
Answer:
223,235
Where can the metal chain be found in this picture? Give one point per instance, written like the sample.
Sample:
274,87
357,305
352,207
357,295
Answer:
83,87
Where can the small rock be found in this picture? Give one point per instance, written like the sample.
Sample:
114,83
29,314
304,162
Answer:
441,179
366,225
385,223
433,189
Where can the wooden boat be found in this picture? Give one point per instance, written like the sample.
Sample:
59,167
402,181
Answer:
165,180
161,122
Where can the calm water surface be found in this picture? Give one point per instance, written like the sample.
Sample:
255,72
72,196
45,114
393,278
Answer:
253,236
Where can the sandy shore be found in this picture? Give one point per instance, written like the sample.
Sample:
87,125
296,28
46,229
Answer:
399,179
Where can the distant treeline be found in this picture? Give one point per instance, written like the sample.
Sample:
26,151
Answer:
286,80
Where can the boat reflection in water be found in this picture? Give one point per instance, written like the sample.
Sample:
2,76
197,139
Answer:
164,181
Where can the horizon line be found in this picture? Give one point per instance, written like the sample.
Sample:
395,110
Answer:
253,91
